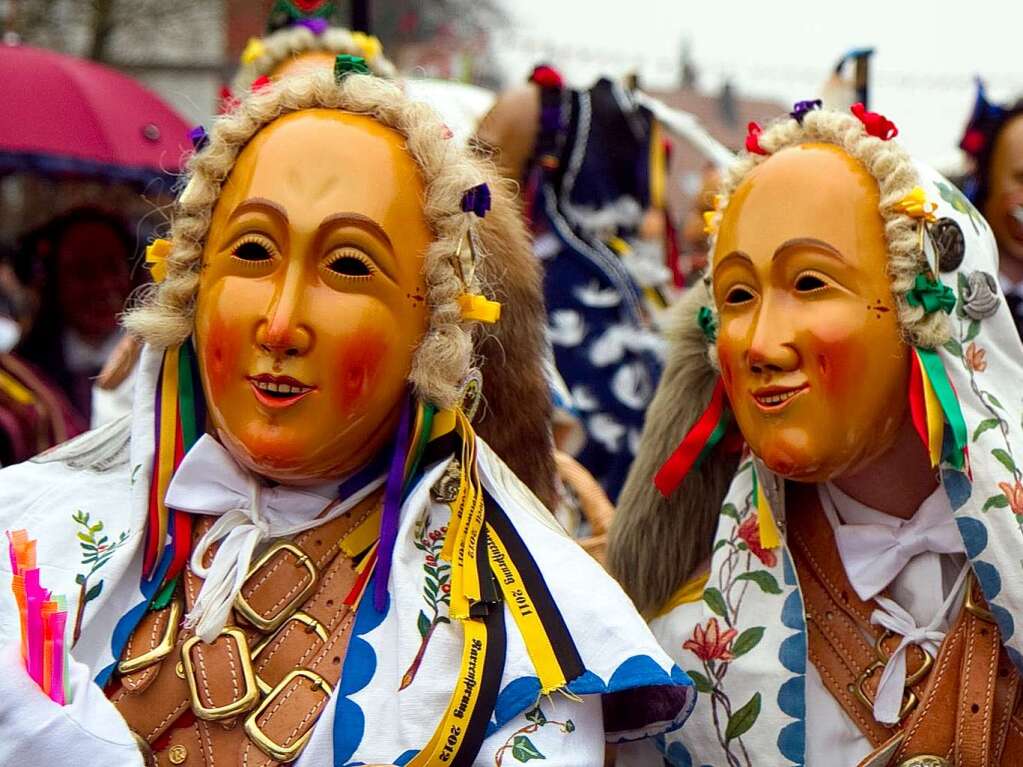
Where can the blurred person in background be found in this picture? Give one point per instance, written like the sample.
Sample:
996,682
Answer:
34,415
77,271
591,162
994,142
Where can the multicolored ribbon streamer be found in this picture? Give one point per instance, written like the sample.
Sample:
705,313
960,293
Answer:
701,439
180,414
770,537
933,404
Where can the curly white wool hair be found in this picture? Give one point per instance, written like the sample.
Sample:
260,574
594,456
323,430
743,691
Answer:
893,170
164,314
290,42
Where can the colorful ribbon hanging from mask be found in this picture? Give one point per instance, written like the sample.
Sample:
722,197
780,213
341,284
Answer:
770,537
933,404
180,419
698,443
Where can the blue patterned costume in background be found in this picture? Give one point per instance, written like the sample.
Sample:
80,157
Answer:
589,189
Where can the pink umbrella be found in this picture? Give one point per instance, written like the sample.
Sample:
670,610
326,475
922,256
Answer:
62,115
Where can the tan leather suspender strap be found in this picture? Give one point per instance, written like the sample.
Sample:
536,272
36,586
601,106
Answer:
958,707
258,689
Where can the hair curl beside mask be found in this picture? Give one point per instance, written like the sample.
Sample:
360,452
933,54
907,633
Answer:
164,314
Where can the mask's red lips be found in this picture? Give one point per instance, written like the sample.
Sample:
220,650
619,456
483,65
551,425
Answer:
772,399
276,391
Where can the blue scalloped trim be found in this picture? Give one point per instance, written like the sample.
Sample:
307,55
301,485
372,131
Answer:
359,667
523,693
127,622
792,656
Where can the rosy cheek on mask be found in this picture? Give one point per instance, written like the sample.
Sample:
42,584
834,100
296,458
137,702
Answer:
358,369
221,359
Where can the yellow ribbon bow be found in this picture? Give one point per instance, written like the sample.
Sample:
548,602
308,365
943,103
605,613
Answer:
710,222
368,44
916,205
254,49
156,259
479,308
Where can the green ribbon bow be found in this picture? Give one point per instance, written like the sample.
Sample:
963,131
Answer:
345,65
709,326
931,294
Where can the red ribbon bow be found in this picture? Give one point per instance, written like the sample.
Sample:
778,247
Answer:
753,131
876,124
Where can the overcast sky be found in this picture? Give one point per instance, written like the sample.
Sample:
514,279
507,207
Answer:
928,51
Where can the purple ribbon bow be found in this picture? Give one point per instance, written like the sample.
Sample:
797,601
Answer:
198,137
477,200
800,108
316,26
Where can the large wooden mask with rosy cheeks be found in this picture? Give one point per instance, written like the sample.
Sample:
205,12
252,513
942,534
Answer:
311,299
809,342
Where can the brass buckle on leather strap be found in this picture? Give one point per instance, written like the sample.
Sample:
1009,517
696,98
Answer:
916,676
974,607
162,649
279,751
270,623
311,624
909,701
250,692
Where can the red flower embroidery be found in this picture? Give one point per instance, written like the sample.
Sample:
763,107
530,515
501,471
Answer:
1014,494
753,131
975,357
711,644
749,532
876,124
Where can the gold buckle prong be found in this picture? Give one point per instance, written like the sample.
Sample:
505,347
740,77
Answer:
240,706
910,702
283,753
162,650
271,624
972,606
916,676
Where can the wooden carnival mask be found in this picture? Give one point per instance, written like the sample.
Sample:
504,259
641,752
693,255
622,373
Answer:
311,299
809,341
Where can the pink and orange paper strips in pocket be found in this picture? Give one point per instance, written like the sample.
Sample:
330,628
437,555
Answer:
43,620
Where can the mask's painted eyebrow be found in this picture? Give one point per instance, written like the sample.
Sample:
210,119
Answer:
263,205
735,255
370,227
809,242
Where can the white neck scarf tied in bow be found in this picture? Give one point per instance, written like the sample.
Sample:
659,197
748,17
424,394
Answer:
209,481
891,616
873,554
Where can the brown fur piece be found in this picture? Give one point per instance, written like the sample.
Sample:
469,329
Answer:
657,543
515,416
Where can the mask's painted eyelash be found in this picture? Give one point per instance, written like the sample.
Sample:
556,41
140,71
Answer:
350,263
738,296
810,282
253,249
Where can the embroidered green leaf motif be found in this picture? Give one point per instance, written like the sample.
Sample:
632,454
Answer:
569,725
729,510
524,751
740,721
994,400
995,502
1005,459
973,332
715,601
984,426
767,582
424,623
536,716
719,543
952,347
94,592
701,682
747,640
